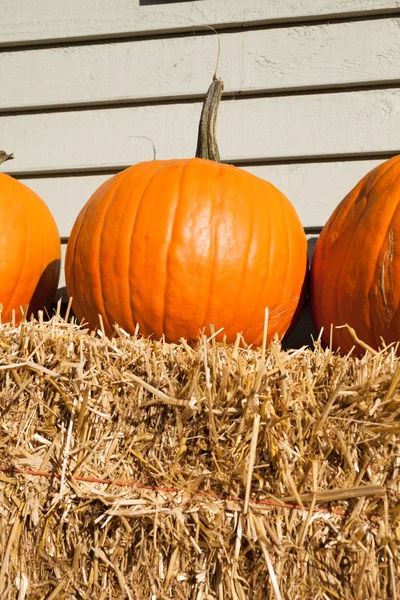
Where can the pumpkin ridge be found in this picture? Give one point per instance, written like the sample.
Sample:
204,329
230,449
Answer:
350,245
206,319
272,250
26,237
287,264
269,214
267,226
250,323
115,191
340,273
98,298
383,171
43,267
131,239
170,242
285,305
103,309
396,313
294,310
363,184
372,323
74,248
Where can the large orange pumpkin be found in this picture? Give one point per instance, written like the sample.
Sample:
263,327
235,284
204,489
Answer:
174,245
355,272
30,249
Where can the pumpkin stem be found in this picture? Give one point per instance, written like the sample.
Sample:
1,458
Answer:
4,156
207,141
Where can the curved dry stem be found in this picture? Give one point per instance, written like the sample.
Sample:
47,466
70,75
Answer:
207,141
219,49
4,156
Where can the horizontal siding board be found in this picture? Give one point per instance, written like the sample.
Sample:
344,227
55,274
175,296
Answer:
267,60
254,129
24,21
314,189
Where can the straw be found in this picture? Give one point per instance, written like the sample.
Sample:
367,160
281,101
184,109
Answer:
134,468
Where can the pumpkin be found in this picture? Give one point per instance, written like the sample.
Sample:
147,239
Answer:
175,245
30,249
355,271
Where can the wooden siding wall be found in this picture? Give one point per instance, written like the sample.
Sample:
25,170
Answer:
88,87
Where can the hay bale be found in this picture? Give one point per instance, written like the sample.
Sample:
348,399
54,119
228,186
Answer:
137,469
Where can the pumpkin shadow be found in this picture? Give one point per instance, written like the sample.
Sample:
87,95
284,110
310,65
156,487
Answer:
304,331
46,288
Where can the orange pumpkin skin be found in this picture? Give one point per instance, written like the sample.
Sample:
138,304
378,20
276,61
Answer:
176,245
355,271
30,250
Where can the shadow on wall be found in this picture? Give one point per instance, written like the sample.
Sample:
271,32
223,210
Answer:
311,241
304,332
149,2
